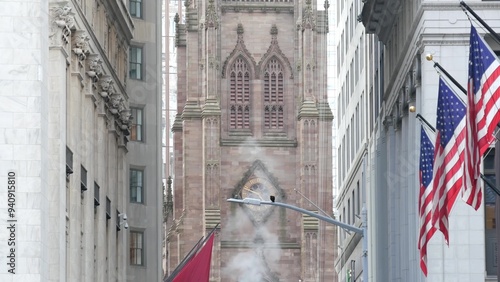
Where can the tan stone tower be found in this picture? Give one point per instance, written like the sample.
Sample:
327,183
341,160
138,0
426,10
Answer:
253,121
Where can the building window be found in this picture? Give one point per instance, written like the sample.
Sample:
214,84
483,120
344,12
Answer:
136,248
136,185
136,8
274,90
135,65
83,184
239,98
69,163
108,208
96,195
136,127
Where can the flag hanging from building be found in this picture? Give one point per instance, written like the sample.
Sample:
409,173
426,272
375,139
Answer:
198,268
426,195
483,115
448,155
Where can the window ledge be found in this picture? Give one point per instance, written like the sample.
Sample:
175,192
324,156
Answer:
274,142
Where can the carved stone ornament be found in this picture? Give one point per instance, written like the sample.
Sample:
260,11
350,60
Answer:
125,116
94,66
212,20
62,23
260,184
62,16
115,101
308,20
213,63
106,83
416,71
81,46
239,50
274,50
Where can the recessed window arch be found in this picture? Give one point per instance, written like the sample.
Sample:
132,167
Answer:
274,92
239,94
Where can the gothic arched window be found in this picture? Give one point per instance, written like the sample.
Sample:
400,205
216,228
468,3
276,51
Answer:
239,95
274,88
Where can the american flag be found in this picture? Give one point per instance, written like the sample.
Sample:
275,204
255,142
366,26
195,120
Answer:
483,100
426,195
448,155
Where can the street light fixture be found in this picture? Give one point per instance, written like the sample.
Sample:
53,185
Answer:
361,231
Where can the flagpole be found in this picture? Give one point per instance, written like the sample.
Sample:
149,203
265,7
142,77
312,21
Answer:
420,117
483,23
430,58
436,64
493,187
488,182
497,146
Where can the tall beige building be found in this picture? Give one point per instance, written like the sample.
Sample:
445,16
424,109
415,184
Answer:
68,118
253,121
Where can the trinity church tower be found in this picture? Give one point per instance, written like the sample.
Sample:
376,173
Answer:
253,121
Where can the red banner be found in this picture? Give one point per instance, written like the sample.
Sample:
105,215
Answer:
198,268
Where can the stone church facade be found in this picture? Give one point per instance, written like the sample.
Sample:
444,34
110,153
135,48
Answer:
253,121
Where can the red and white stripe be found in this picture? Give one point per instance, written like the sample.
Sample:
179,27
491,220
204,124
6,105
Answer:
448,173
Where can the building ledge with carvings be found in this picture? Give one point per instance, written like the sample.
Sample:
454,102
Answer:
378,17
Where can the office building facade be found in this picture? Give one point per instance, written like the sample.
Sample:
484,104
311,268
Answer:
67,114
398,37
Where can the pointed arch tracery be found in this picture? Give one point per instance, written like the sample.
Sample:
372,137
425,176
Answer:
274,92
239,94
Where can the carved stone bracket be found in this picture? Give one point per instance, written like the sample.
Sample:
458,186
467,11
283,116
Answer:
106,84
81,46
125,117
117,106
114,103
94,67
62,23
416,73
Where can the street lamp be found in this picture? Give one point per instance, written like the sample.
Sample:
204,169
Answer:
362,230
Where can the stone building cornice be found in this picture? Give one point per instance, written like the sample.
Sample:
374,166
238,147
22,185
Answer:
253,7
271,142
97,48
62,25
120,13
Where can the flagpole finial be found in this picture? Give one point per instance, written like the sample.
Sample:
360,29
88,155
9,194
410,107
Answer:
412,109
429,57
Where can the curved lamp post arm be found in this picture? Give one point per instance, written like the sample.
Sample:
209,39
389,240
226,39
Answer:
257,202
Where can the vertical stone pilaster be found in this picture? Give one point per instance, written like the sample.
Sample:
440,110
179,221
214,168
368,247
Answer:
61,21
75,142
308,54
212,61
194,204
